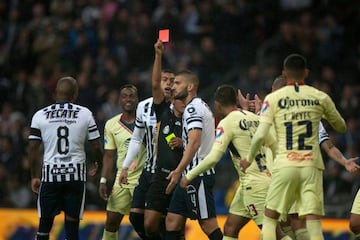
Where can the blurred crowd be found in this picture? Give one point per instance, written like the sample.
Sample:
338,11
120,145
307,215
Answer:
107,43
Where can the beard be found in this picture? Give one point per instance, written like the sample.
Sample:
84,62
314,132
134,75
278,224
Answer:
182,95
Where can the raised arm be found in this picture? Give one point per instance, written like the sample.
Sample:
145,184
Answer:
157,93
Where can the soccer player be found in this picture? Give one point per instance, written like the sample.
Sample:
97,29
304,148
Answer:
63,128
235,131
169,151
117,135
295,226
145,126
295,111
355,216
197,201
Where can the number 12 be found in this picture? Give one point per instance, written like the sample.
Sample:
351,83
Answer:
301,137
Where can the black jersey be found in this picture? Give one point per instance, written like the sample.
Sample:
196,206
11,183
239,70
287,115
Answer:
169,126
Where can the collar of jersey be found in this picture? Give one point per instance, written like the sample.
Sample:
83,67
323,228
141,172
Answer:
292,83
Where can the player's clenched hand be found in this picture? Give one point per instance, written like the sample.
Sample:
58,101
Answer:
176,142
244,164
184,182
103,191
123,177
174,178
35,185
158,47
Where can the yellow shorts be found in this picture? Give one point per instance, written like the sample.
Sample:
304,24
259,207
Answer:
120,200
249,202
356,204
303,185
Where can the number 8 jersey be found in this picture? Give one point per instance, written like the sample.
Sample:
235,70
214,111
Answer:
63,129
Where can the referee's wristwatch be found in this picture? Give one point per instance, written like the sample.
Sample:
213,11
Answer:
103,180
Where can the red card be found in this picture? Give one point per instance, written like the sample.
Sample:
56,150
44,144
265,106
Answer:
164,35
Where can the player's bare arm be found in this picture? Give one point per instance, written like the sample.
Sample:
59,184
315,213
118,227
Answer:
35,164
108,163
334,153
157,93
191,148
98,155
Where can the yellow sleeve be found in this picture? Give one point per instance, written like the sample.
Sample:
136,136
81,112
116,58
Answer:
224,133
207,163
333,116
109,143
258,140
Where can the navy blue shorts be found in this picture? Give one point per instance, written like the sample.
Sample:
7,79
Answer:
61,196
141,189
196,201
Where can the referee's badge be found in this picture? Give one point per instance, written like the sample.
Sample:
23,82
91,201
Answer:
166,129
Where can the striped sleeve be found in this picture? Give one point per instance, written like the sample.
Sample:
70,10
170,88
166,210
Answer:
35,133
193,119
93,132
323,135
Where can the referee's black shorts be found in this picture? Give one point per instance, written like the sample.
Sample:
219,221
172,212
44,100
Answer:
141,189
156,199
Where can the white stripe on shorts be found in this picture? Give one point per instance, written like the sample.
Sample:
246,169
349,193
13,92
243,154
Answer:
202,201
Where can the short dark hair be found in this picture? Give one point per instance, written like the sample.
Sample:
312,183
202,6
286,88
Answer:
129,86
167,70
226,95
190,76
295,64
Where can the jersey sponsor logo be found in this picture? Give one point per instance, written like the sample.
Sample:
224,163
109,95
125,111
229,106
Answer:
299,157
219,132
62,113
246,125
62,159
66,121
287,102
62,170
265,106
191,110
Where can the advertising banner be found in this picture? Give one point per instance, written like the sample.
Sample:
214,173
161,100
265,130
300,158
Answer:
22,225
